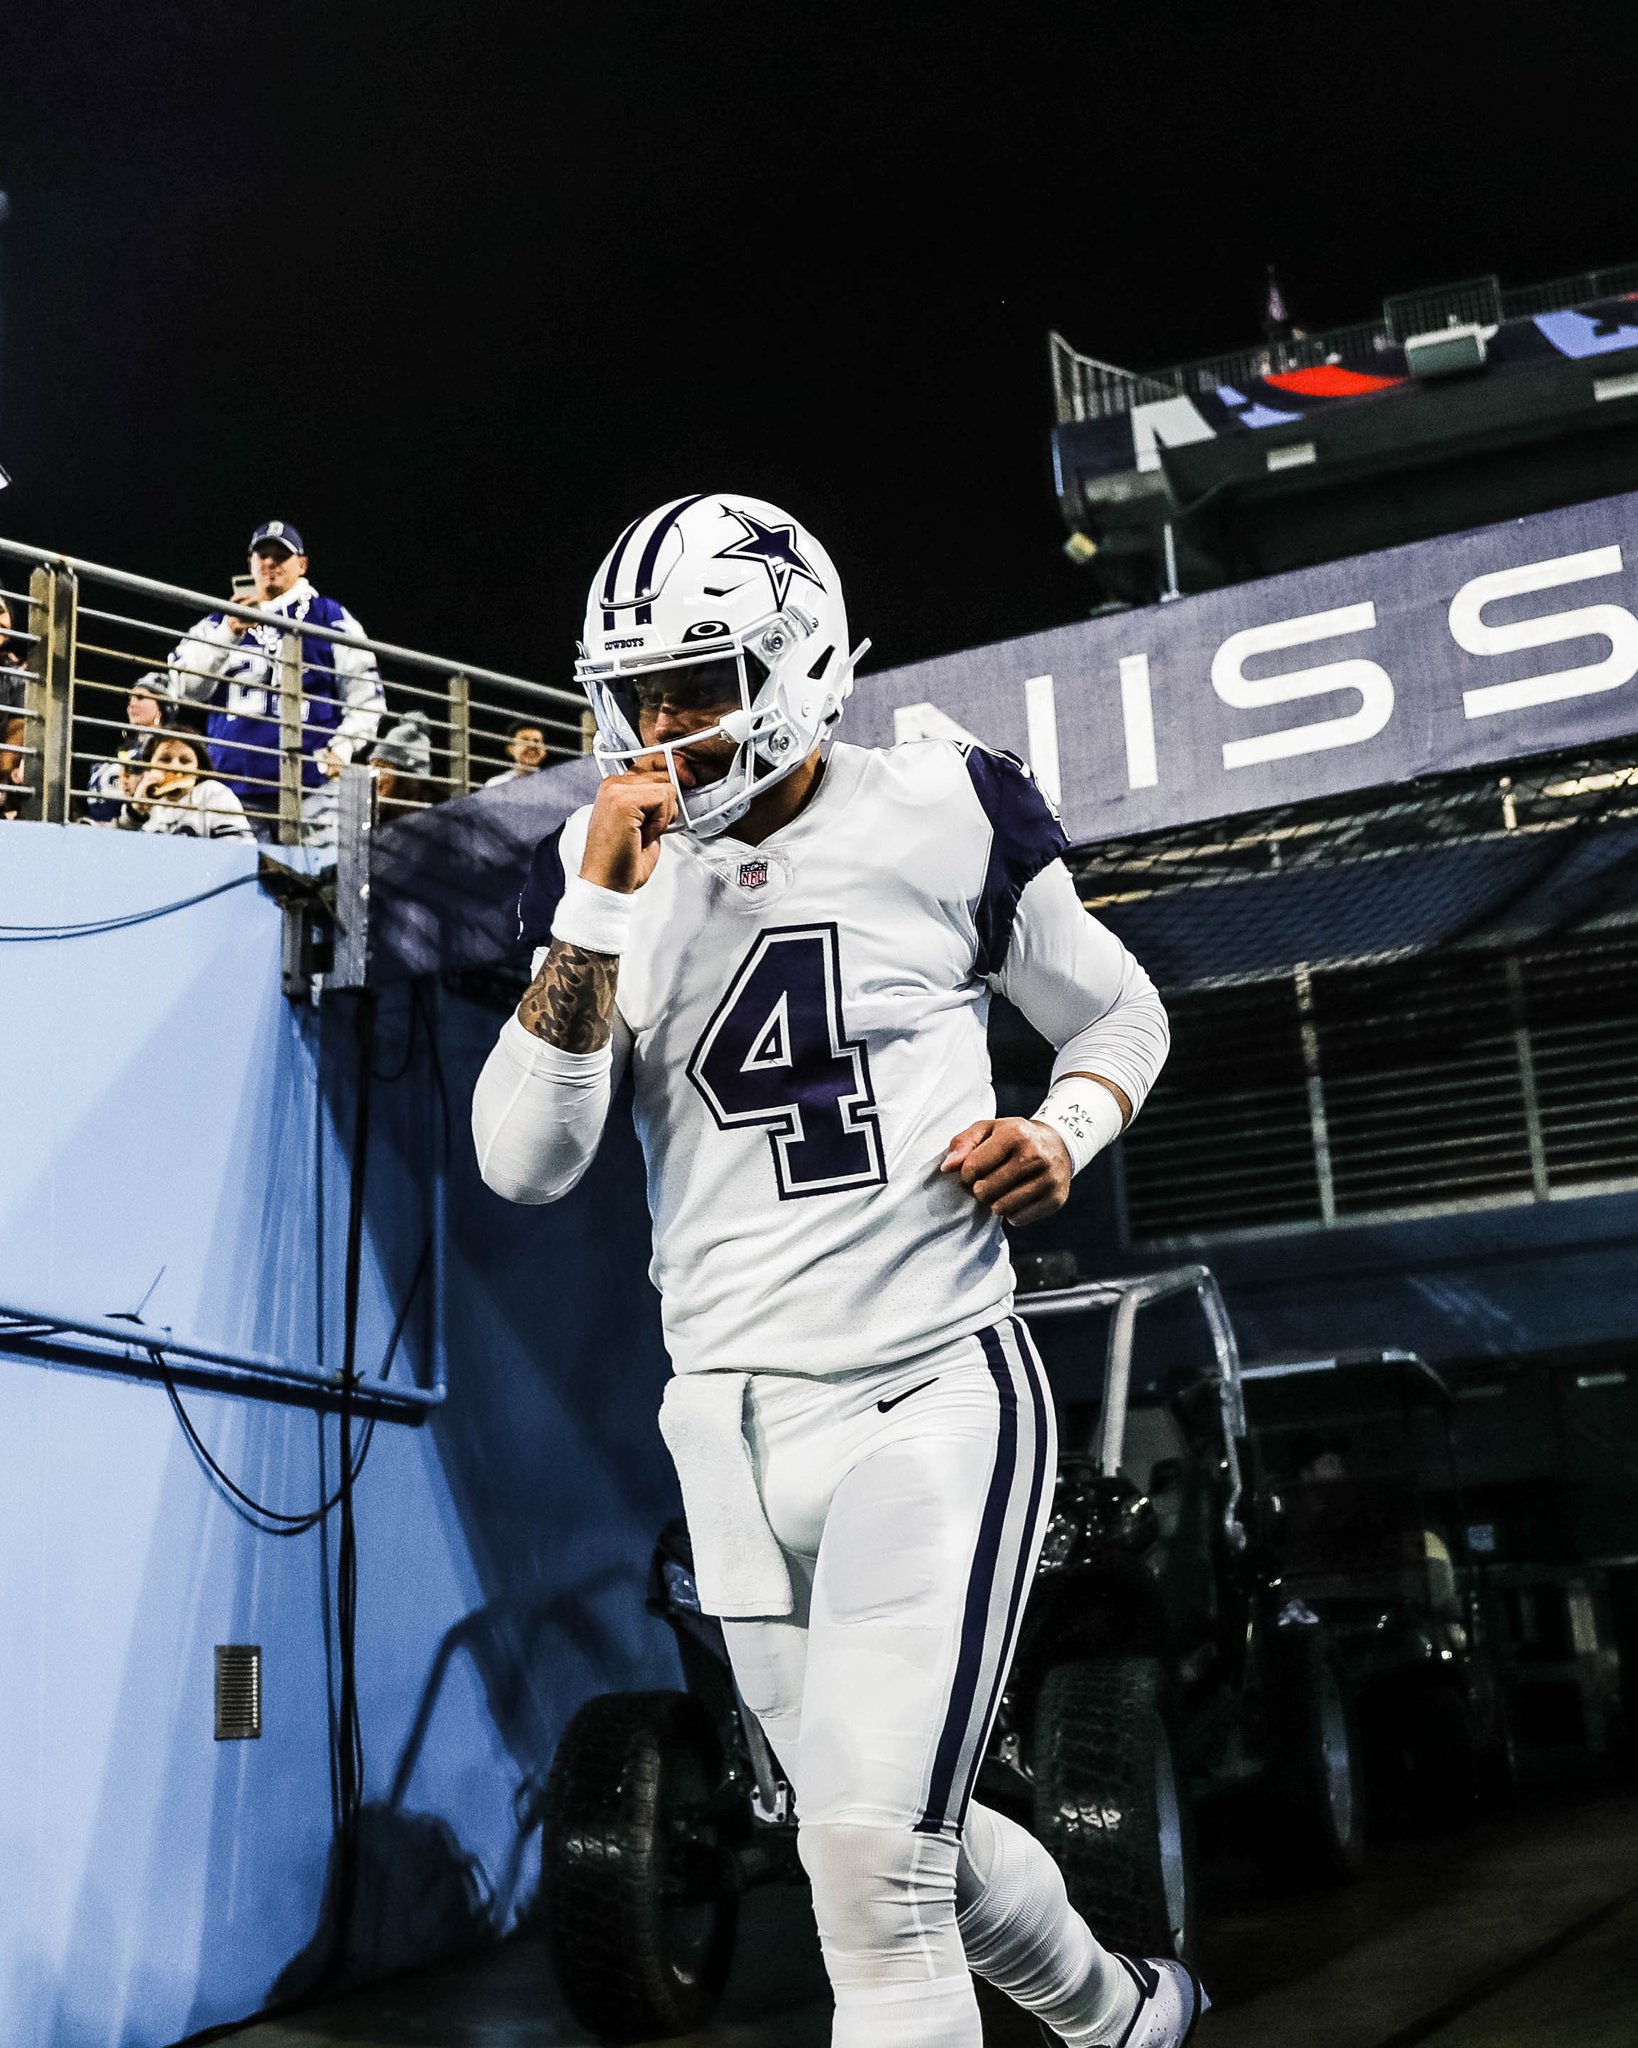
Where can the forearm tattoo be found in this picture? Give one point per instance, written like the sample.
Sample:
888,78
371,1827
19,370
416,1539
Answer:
570,1002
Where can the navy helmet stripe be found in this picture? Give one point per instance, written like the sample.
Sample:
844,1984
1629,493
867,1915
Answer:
980,1589
651,552
620,546
1025,1568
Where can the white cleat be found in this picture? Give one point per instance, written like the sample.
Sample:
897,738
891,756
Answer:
1170,2002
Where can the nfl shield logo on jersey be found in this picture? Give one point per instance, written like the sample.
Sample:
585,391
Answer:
753,874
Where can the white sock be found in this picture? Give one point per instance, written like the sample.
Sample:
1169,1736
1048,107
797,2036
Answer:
1022,1935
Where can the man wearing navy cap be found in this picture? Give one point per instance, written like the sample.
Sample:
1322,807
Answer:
232,666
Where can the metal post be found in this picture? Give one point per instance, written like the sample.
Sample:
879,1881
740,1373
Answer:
48,693
355,821
460,735
1117,1385
1525,1053
1171,591
290,760
1319,1122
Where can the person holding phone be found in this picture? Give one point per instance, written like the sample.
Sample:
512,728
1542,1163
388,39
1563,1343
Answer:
232,665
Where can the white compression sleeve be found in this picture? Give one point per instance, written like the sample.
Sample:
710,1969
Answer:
1081,989
1022,1935
538,1113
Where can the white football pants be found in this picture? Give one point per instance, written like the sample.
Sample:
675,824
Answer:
911,1505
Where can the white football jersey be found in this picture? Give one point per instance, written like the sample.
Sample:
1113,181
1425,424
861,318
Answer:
805,1026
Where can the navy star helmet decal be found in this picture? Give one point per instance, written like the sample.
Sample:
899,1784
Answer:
774,547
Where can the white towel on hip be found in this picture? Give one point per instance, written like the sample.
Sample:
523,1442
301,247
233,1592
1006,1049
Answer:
738,1565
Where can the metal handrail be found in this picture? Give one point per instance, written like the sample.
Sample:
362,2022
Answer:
1127,1297
1085,387
149,586
121,1333
282,699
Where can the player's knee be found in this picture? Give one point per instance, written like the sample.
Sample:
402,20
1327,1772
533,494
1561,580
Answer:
884,1899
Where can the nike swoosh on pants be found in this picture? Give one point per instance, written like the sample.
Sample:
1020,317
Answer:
897,1398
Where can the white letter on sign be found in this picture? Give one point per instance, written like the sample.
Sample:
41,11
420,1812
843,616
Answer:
1374,684
1041,715
1611,622
1137,711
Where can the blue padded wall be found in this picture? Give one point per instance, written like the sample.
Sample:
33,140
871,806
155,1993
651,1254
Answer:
165,1106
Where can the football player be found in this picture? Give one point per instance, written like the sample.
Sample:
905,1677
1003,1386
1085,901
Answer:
792,944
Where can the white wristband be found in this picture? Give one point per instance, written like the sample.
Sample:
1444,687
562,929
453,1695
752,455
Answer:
592,917
1085,1115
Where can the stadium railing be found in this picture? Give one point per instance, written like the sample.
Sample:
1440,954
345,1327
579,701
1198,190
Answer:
92,633
1086,388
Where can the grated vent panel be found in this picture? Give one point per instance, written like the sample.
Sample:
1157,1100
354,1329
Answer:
238,1692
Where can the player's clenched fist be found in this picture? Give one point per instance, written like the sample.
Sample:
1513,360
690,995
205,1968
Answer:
1018,1168
629,814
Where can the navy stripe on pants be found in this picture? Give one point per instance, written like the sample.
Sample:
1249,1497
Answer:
988,1563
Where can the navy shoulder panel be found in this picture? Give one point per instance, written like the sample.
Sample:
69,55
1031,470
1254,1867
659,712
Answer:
542,892
1026,837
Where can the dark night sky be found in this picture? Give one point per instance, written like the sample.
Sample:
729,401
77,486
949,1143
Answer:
461,291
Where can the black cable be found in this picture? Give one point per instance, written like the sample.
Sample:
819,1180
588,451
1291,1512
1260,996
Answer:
35,934
282,1522
271,1521
350,1733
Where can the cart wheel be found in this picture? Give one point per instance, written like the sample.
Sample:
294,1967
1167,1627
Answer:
640,1912
1498,1760
1111,1804
1444,1763
1318,1786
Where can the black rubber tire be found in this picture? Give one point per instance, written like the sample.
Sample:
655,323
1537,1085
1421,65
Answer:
1317,1786
1445,1776
1111,1804
638,1913
1497,1763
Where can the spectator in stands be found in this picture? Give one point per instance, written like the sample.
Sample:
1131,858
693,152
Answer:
13,760
110,783
233,667
174,791
401,762
144,712
527,747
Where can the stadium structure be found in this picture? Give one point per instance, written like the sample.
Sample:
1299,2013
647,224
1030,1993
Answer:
335,1462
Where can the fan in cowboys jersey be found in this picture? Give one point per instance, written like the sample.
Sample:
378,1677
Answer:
792,944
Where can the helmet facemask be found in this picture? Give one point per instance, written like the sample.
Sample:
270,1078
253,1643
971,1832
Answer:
757,686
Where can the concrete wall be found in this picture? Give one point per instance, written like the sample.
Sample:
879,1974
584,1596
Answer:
165,1107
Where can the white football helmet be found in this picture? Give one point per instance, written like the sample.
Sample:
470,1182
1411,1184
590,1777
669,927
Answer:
717,600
